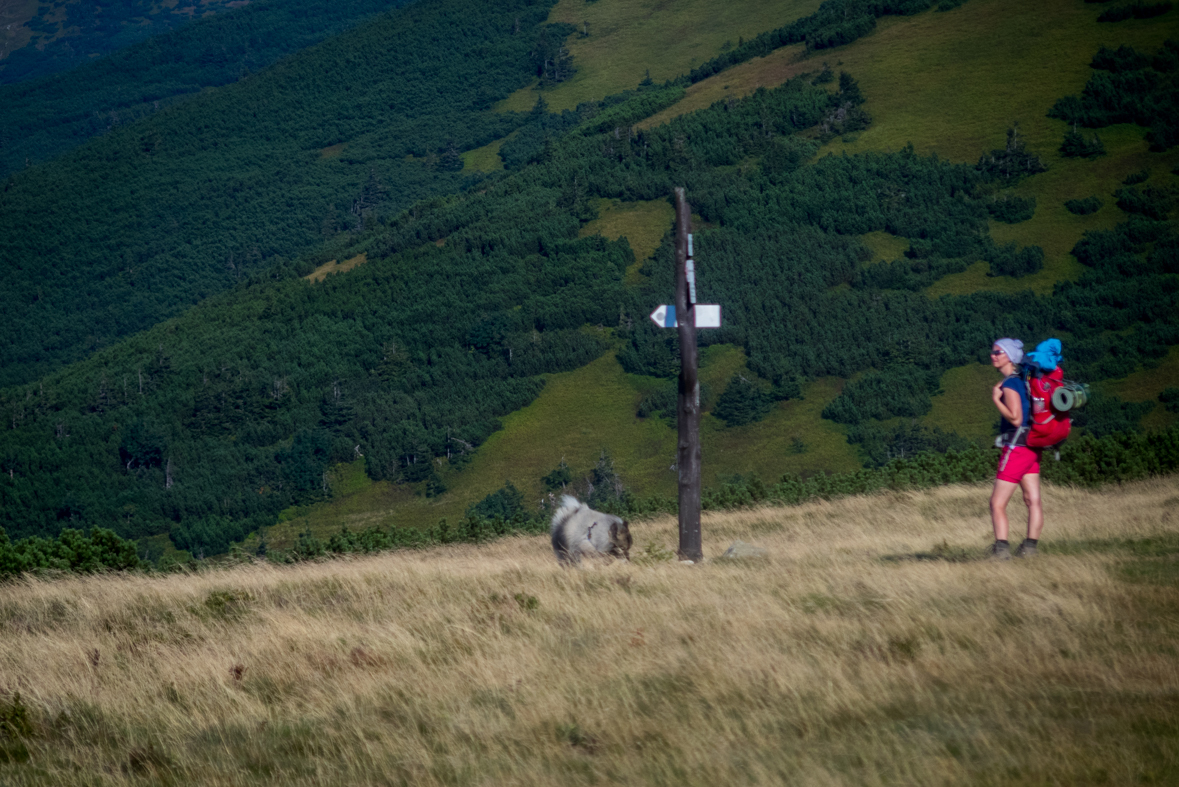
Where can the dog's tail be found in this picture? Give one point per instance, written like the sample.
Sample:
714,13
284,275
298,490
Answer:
561,547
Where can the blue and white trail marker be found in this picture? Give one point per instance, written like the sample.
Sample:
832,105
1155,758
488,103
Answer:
708,315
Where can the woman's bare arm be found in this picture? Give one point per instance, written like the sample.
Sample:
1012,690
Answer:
1008,403
1011,407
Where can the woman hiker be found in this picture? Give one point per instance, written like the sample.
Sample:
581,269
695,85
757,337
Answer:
1019,466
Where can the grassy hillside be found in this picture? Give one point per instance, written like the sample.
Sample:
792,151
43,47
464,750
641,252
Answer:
832,270
932,80
579,415
618,43
870,646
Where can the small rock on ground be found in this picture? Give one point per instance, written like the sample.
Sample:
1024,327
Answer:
739,549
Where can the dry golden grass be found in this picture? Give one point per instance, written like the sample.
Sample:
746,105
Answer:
851,655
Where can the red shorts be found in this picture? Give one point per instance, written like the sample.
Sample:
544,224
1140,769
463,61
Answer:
1016,461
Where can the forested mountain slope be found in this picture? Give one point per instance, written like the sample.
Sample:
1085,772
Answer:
208,425
154,216
44,118
47,36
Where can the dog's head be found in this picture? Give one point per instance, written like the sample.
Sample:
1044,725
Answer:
620,539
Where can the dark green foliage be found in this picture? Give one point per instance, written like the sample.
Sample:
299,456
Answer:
559,478
434,485
1106,414
1011,209
1008,260
43,119
536,137
662,400
845,116
256,189
1134,178
1076,146
550,56
1012,163
1164,258
908,274
211,535
308,546
605,490
1124,58
742,402
826,76
882,443
1083,207
304,462
252,426
1128,87
71,550
1153,203
1134,11
1170,399
618,113
142,445
83,31
504,503
898,390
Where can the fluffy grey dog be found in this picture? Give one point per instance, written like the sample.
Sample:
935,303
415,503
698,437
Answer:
579,530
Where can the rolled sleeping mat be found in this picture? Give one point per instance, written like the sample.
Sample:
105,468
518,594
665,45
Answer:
1070,396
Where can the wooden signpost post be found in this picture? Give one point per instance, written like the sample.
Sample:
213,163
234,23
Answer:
687,317
688,412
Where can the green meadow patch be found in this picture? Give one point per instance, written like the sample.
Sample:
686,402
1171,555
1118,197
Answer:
620,42
577,416
642,223
964,403
1146,384
486,158
884,246
931,80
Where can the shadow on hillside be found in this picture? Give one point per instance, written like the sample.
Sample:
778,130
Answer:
1151,559
943,552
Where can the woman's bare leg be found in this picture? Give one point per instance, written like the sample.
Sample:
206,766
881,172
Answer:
1031,498
999,496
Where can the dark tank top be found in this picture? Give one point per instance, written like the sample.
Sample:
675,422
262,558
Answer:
1016,383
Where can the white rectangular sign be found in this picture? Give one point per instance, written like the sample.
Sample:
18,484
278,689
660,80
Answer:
708,315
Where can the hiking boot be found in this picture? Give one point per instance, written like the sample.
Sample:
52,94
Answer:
1000,551
1026,549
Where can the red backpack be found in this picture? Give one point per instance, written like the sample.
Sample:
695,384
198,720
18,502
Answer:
1049,425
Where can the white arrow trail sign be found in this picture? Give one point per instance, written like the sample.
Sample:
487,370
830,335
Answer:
708,315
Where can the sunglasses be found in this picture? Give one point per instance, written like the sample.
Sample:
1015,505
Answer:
997,352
